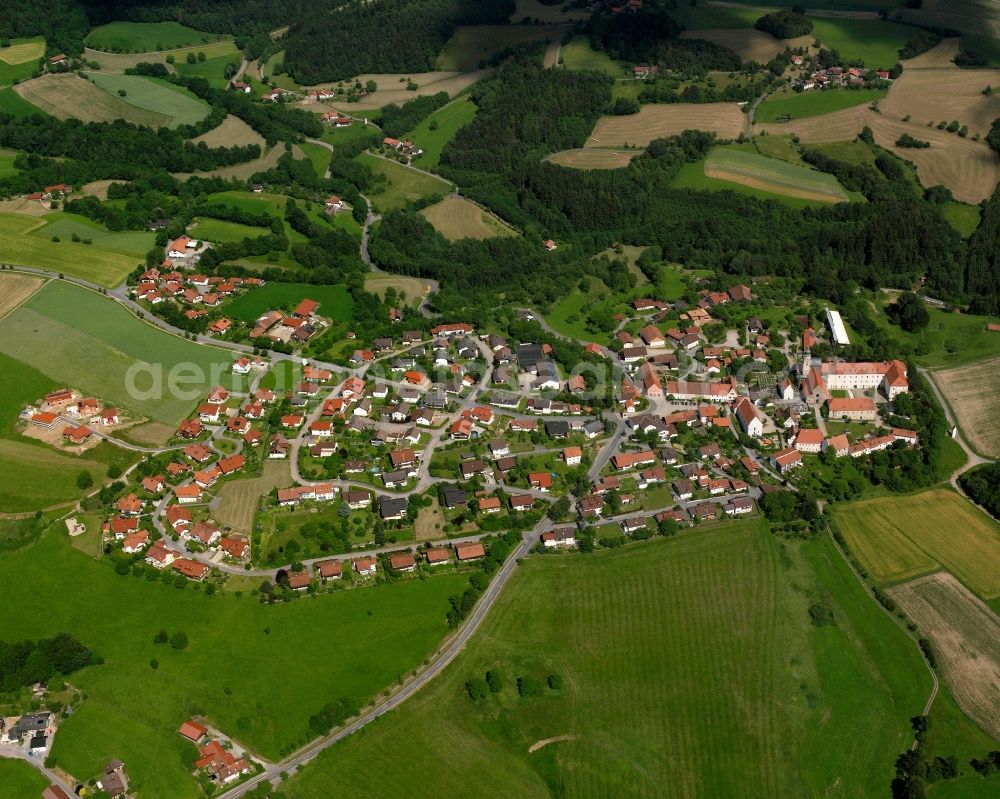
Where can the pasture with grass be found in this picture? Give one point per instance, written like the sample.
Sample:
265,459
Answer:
226,673
788,105
75,228
434,132
223,231
794,709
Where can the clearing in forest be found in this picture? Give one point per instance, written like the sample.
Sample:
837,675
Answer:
457,218
726,120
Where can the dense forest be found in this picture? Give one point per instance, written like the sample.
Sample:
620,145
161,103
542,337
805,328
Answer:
982,484
24,663
983,269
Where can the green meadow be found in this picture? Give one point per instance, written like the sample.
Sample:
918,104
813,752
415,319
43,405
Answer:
814,103
14,104
686,667
403,185
578,54
256,671
77,337
334,301
18,780
64,225
213,68
222,231
7,168
439,128
154,95
88,261
144,37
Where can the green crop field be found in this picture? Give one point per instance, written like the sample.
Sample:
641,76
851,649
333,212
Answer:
145,37
352,644
334,301
578,54
689,668
404,185
262,203
732,169
448,119
813,103
88,261
130,242
14,104
897,538
19,780
154,95
80,338
9,73
222,231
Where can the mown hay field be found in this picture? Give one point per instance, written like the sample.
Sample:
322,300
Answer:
239,499
966,636
392,89
770,174
403,185
594,158
897,538
749,45
16,288
154,95
933,95
68,96
22,51
972,393
457,218
673,656
726,120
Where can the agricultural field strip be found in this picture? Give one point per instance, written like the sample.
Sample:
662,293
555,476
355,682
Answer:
972,393
773,175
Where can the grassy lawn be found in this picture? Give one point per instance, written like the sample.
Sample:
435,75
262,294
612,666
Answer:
780,147
853,152
222,231
813,103
950,339
20,59
144,37
964,218
578,54
370,638
72,258
318,156
853,429
445,122
9,73
19,780
711,630
731,169
80,338
262,203
897,538
335,302
7,168
404,185
154,95
129,242
568,316
213,68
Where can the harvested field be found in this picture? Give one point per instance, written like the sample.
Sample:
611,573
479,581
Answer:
119,62
19,205
749,45
97,188
457,218
969,168
656,121
68,96
151,433
233,132
838,126
594,158
239,499
15,289
413,288
942,56
972,391
932,95
966,635
392,89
